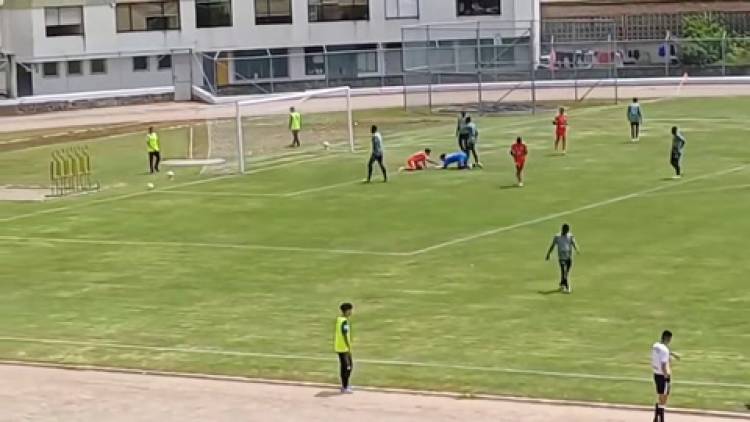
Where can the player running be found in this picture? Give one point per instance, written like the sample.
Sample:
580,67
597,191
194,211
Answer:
519,152
678,145
565,243
471,141
635,117
460,158
561,130
418,161
376,155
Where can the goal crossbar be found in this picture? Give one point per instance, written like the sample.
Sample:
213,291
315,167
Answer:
343,91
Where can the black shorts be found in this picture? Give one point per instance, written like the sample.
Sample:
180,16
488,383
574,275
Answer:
463,139
663,385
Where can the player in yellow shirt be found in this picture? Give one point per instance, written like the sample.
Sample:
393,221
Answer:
154,150
295,125
342,345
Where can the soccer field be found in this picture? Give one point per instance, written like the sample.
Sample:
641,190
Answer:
244,275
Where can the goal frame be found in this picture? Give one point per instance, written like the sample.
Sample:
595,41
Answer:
343,91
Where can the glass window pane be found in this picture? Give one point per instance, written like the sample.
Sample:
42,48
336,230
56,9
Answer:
70,15
51,16
123,17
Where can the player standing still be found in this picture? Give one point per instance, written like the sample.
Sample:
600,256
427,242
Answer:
561,130
471,141
675,158
635,117
565,243
342,345
376,155
154,150
295,125
461,133
519,152
661,365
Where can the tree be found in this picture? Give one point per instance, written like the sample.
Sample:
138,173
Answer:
702,38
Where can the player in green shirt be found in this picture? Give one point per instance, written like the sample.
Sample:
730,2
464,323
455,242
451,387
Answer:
295,125
154,150
342,345
635,117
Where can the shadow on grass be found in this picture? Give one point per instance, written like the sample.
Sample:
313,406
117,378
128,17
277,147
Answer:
513,186
328,393
548,292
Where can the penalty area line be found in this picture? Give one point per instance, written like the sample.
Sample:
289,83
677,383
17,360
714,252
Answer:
380,362
237,246
593,205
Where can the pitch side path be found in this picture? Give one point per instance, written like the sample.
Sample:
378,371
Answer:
47,394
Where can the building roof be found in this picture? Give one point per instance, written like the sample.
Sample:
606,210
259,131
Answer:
568,9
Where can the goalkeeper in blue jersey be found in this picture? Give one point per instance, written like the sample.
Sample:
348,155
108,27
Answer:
460,158
635,117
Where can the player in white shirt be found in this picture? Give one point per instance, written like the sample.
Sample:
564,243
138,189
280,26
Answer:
661,358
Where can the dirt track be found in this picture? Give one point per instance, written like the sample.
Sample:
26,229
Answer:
44,394
193,111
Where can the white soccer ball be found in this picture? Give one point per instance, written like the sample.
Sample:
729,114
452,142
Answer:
326,145
356,123
170,174
150,185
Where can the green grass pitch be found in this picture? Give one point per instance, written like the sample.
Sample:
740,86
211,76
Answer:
243,275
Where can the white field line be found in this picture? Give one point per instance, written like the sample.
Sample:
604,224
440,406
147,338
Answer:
263,195
381,362
593,205
149,192
169,244
706,190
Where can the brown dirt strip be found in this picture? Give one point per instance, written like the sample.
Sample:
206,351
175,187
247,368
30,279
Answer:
43,394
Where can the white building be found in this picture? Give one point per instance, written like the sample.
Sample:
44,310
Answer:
60,46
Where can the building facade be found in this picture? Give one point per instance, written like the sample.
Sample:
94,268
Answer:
62,46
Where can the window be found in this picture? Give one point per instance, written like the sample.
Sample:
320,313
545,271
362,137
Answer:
338,10
75,67
478,7
401,9
49,69
367,62
165,62
98,66
140,64
261,64
213,13
62,21
273,11
153,16
315,61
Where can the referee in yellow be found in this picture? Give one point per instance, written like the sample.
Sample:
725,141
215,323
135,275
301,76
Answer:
154,148
342,345
295,125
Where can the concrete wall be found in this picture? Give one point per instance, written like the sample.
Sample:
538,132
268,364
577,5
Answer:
101,36
119,75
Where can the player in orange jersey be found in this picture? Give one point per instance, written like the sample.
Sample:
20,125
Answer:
519,152
561,130
418,161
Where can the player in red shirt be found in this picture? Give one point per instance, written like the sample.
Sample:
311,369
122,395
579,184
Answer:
561,130
519,152
418,161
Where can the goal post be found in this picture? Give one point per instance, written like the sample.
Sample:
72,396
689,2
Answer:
325,104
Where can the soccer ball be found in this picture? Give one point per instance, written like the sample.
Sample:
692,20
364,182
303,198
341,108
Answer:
326,145
150,185
170,174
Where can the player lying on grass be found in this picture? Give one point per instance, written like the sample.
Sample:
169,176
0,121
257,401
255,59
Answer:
418,161
460,158
519,152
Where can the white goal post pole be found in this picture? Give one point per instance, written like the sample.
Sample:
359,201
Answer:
191,141
349,122
240,146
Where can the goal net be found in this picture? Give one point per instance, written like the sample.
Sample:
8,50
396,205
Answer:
260,132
